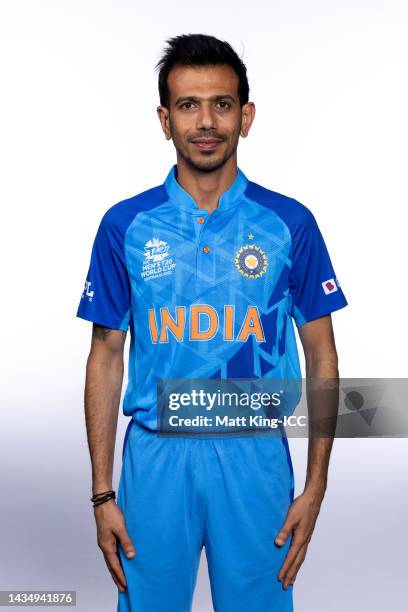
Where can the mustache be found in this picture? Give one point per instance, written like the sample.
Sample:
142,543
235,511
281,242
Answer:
208,135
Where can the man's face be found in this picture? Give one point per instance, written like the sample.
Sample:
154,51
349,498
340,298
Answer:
205,117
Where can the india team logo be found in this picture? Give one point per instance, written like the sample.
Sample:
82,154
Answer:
156,250
251,261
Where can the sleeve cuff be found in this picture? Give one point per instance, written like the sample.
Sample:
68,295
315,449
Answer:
300,318
103,322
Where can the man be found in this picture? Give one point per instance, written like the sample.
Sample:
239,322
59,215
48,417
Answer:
207,270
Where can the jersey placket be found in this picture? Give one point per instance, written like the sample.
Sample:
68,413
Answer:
204,249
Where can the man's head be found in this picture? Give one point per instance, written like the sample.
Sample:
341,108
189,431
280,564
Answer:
203,91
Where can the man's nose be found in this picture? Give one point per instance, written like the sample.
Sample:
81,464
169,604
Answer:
205,117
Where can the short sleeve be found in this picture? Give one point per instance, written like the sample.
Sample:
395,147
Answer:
106,298
313,283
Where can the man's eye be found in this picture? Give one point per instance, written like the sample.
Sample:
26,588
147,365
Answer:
227,105
184,104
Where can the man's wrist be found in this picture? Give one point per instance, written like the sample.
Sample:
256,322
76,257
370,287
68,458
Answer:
101,487
316,489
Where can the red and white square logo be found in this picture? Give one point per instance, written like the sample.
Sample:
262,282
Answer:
329,286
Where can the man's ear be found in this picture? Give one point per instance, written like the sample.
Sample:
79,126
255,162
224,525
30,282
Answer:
163,114
247,118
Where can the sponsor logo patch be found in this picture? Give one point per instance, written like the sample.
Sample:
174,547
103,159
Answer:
329,286
87,293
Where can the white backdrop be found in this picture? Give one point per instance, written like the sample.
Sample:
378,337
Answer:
79,132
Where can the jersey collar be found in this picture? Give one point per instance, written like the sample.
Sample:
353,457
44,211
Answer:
180,197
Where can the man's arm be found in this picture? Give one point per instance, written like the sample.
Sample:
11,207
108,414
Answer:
321,360
104,378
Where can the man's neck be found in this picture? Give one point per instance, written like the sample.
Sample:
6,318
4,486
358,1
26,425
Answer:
206,188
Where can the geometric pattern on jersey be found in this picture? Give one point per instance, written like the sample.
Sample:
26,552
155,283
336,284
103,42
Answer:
207,295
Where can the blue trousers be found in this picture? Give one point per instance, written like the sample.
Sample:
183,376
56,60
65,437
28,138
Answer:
230,494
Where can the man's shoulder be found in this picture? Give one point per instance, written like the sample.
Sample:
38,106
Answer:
293,212
121,214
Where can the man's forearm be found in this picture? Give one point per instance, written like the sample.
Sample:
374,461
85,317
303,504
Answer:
104,377
318,464
322,390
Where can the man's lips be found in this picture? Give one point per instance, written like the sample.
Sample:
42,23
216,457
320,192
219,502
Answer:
206,143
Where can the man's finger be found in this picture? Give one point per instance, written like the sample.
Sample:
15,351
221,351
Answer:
294,568
284,532
295,546
115,580
126,542
113,563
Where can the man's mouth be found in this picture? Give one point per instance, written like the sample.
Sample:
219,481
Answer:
206,143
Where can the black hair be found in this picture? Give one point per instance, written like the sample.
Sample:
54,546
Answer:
199,50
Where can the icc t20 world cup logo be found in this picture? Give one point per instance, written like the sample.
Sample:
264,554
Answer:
156,250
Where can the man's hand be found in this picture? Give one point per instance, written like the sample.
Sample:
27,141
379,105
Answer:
111,525
301,518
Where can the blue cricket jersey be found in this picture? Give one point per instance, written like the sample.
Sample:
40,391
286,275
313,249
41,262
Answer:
207,295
